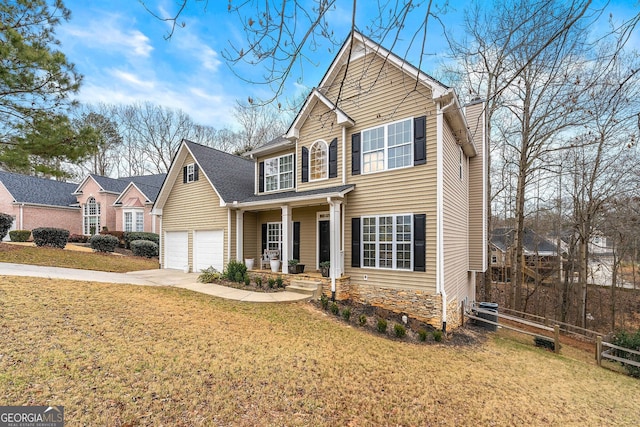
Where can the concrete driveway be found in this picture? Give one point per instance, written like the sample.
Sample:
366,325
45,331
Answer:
156,277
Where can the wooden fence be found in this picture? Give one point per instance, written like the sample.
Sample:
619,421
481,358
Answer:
601,353
475,310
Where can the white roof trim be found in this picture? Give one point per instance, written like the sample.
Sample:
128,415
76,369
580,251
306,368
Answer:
292,199
342,118
369,45
127,189
174,173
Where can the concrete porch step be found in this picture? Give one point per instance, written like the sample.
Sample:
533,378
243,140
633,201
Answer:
307,287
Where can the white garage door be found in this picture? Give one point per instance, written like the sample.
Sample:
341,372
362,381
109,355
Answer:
208,249
176,249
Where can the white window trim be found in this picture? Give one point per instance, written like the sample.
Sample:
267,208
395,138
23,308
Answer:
133,213
86,226
292,172
326,168
279,242
385,150
394,243
191,172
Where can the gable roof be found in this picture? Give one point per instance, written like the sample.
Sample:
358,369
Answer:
38,191
148,185
314,97
231,175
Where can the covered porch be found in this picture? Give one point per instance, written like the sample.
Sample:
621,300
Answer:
305,226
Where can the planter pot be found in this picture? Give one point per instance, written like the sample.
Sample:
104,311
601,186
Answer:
325,271
249,263
275,265
296,269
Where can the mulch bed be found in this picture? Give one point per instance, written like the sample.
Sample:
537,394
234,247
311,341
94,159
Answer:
469,335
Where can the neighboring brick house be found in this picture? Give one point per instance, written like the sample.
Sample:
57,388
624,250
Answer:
122,204
38,202
387,181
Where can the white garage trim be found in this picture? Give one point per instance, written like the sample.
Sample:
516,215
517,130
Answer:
176,250
208,250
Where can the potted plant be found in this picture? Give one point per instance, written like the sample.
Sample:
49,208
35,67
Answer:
325,268
295,267
249,263
275,264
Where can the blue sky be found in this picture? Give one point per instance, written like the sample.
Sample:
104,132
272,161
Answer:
122,53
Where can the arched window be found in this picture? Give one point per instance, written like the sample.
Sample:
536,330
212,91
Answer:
318,161
91,217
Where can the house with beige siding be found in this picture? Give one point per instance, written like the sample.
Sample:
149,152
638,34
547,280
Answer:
382,173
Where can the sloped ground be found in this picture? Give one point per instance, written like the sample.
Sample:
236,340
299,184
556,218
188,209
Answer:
127,355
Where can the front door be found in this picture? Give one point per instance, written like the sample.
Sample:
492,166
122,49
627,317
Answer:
324,241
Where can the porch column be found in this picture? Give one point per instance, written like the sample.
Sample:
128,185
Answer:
239,235
335,220
287,238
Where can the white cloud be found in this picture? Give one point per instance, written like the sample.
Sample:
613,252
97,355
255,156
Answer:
108,35
132,79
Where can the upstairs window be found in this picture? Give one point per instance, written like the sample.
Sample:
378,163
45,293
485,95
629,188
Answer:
387,147
190,173
278,173
318,161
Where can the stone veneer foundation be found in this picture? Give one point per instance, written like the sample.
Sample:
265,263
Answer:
416,303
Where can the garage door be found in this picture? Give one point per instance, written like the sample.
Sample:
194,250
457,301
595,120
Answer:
176,249
208,249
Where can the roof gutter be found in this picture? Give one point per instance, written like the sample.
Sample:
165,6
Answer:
40,205
322,196
453,113
285,143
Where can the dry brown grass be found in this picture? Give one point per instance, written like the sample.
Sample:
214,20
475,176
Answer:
53,257
126,355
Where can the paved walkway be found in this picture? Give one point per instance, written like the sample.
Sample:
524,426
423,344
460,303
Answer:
174,278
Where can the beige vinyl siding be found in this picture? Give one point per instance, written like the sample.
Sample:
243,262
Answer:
455,219
194,206
251,248
384,94
477,207
320,125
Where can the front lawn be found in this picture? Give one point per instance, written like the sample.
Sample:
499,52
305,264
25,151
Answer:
53,257
132,355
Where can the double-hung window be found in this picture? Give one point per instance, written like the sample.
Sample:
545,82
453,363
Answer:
133,220
278,173
387,147
191,172
387,241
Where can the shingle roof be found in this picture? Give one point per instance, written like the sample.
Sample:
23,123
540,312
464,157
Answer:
110,184
293,194
30,189
232,176
503,238
149,184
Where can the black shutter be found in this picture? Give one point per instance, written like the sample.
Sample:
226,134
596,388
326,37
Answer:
261,177
333,158
264,237
355,242
196,169
419,141
419,235
355,154
305,164
184,175
296,240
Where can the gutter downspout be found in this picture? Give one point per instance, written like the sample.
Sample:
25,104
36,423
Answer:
440,213
228,235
